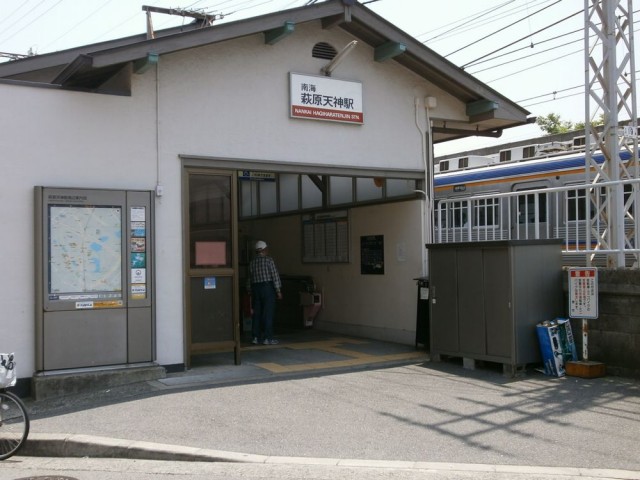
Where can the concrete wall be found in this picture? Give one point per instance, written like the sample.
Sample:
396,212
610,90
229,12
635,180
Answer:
614,337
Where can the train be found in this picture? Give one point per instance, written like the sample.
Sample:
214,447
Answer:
537,191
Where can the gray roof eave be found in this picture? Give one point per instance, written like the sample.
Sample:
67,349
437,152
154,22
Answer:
64,57
352,17
214,34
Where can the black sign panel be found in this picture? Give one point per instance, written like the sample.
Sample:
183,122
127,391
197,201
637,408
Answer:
372,255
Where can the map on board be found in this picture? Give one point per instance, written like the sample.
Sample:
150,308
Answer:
85,249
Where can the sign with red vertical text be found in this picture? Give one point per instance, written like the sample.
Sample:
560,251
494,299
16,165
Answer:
583,292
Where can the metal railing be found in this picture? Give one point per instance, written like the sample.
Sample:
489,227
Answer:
572,213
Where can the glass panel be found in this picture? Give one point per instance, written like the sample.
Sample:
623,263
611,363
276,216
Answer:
460,213
248,198
398,187
341,189
366,189
486,212
527,212
576,205
85,250
268,199
311,194
210,221
288,192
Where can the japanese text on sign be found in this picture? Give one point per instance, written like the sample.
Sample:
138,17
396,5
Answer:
583,293
324,98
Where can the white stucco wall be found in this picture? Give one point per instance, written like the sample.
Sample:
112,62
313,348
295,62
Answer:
59,139
229,100
235,103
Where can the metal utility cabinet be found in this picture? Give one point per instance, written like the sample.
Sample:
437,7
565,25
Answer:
487,297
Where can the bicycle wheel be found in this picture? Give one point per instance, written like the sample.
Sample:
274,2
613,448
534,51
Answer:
14,424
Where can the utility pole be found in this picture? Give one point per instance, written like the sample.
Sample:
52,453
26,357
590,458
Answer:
610,87
206,18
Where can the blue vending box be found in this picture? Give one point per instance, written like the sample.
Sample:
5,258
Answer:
551,348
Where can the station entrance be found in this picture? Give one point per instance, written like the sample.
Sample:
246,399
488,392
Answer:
304,213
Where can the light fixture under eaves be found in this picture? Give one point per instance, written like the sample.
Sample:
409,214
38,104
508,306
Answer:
331,66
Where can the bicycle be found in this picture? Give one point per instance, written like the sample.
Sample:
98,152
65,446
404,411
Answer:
14,420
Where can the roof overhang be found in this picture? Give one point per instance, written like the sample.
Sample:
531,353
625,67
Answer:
110,64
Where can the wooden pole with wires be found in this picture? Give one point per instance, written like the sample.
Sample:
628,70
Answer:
206,18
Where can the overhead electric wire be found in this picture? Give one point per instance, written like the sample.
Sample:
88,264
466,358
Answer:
474,17
544,63
7,17
502,29
522,38
527,47
115,27
18,20
69,30
455,31
35,19
559,98
538,52
532,54
551,93
533,66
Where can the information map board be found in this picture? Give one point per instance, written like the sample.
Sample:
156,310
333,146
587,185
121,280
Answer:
94,277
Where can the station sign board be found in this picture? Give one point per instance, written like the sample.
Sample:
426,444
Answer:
324,98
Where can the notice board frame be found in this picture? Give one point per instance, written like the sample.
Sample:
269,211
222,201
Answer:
83,324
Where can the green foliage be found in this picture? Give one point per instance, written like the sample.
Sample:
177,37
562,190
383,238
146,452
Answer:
552,124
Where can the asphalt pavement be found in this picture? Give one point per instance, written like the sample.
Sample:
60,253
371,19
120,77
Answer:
326,401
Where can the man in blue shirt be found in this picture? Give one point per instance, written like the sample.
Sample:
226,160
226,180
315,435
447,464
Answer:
264,285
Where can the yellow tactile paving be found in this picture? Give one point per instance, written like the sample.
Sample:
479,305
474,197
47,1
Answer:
332,346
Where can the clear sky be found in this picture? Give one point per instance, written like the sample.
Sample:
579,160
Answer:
531,51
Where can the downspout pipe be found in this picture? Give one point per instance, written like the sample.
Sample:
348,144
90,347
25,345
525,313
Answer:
423,206
426,204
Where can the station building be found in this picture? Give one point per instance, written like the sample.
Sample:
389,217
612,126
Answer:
139,172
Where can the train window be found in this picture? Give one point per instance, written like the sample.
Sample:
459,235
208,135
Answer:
463,162
576,206
460,213
505,155
529,152
485,212
444,165
528,212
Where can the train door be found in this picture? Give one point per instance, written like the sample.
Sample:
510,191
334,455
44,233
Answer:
531,212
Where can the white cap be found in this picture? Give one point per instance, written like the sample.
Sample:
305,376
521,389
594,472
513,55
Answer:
260,245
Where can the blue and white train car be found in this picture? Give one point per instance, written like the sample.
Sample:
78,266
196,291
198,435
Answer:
537,198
